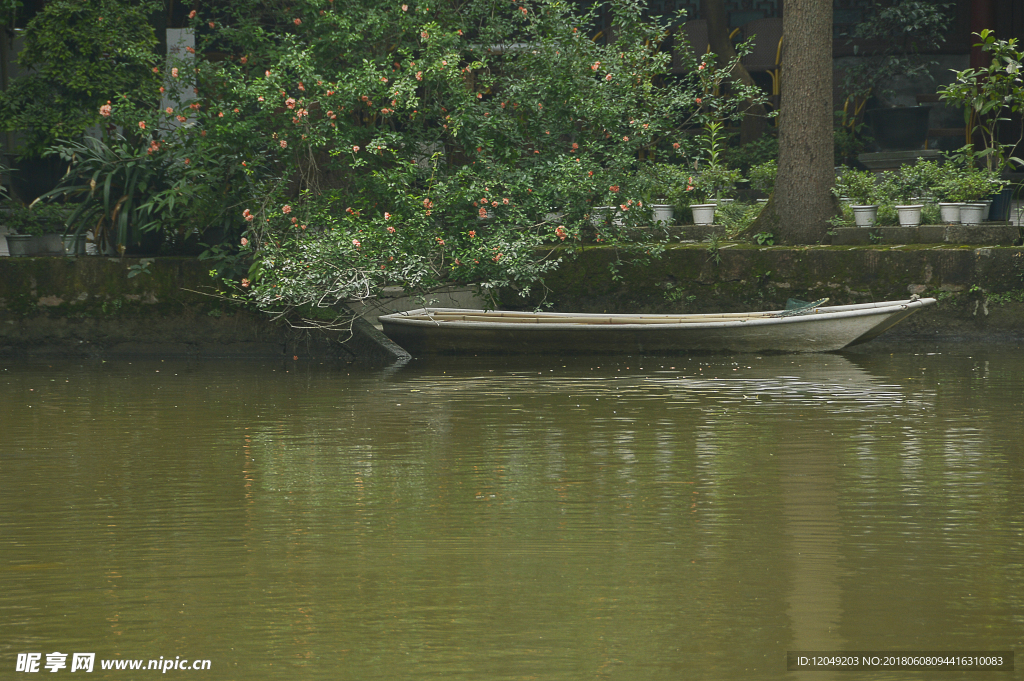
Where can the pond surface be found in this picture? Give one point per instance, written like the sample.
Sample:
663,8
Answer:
536,518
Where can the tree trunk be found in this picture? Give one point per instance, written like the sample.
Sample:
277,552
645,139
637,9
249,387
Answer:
753,123
803,201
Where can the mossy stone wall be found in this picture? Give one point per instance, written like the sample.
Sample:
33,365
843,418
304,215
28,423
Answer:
90,306
980,290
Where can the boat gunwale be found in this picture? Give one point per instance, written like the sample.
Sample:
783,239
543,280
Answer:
434,318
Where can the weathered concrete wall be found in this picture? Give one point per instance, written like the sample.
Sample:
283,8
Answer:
89,306
980,290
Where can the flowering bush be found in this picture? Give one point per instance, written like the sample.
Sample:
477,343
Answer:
360,144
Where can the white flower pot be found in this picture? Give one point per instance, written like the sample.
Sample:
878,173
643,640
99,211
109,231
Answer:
910,216
865,216
704,213
950,212
972,213
663,214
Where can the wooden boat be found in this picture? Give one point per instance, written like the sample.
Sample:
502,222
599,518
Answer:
810,329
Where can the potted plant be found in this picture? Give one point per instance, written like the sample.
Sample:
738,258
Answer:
20,242
709,188
975,185
895,36
703,212
988,95
663,187
37,230
703,189
949,191
862,188
898,187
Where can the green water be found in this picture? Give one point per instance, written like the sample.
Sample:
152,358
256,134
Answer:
554,519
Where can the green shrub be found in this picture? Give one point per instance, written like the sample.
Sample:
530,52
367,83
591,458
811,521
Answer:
78,54
859,185
762,176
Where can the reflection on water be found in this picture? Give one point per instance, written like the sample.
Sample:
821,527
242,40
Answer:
656,518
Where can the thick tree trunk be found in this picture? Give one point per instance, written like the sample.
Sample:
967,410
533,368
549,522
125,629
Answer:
718,36
803,201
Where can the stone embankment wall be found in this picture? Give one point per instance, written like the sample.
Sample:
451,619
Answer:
980,289
89,306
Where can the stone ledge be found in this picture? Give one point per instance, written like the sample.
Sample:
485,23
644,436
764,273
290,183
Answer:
986,234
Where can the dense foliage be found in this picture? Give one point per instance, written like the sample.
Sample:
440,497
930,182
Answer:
993,98
80,53
346,146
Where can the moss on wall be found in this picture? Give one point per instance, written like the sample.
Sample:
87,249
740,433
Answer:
90,305
980,290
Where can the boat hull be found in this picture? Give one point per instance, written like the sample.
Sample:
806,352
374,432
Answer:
452,331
